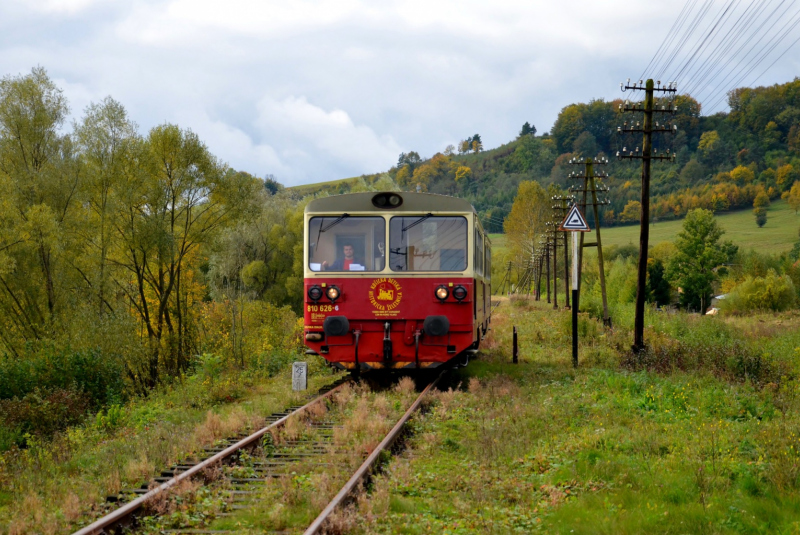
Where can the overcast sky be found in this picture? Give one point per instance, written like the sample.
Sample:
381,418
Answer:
319,90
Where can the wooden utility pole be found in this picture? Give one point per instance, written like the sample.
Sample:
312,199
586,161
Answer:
547,261
552,244
560,209
646,155
591,186
537,267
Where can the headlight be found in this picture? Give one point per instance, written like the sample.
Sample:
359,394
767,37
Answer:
332,293
315,293
442,292
460,293
395,200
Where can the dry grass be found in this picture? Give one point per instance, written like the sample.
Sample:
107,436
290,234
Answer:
365,418
139,469
172,499
405,386
474,387
341,522
365,428
216,427
317,411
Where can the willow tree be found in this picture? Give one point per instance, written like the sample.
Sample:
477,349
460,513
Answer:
39,179
107,141
179,196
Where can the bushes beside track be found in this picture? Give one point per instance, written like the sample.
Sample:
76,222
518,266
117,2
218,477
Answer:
51,389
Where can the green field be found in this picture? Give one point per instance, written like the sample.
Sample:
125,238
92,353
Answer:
778,235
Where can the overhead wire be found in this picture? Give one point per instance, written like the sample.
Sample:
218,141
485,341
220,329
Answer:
712,64
741,58
673,31
699,48
734,32
703,44
685,37
776,61
761,55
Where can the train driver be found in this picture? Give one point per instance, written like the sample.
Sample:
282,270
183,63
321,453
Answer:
343,264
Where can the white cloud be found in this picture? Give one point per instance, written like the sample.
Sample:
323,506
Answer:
329,136
59,6
322,89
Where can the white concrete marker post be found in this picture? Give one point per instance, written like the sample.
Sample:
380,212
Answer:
299,376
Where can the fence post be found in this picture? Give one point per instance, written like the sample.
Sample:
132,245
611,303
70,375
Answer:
514,350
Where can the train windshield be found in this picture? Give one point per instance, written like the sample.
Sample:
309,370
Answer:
345,243
428,243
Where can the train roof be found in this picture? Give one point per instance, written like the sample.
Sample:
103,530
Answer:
412,202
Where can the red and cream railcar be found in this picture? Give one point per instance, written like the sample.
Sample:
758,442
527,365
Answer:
394,280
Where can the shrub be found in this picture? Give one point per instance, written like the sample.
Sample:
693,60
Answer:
772,292
50,390
733,360
99,378
42,412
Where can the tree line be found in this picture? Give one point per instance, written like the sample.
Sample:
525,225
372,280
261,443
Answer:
723,161
144,247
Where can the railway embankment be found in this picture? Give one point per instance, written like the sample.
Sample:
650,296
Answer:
59,484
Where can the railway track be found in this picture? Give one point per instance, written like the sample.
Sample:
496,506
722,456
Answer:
253,461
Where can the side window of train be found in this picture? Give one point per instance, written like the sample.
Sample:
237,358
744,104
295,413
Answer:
488,262
478,252
428,243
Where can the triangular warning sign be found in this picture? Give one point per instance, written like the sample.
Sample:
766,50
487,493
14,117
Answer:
574,221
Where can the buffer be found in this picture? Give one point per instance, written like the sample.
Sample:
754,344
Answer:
574,221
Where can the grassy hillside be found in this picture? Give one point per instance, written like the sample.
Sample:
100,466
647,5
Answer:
310,189
778,235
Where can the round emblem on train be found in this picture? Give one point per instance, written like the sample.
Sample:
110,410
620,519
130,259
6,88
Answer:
385,294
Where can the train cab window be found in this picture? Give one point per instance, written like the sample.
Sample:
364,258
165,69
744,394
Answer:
428,243
346,243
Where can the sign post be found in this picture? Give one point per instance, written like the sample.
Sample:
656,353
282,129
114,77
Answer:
574,222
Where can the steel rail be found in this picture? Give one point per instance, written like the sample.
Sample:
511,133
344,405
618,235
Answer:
118,515
367,465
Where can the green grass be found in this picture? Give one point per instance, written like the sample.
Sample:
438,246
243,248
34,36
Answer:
778,235
609,447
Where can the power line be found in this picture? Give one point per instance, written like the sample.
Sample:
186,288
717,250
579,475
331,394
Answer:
684,39
759,57
712,65
723,83
673,31
702,44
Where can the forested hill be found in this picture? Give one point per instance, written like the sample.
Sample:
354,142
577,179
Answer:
723,161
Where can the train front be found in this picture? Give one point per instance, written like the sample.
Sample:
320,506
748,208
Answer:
387,279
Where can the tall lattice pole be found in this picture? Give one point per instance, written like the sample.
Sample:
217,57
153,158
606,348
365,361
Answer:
646,155
591,186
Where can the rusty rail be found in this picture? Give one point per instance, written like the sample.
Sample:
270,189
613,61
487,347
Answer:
123,513
366,466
